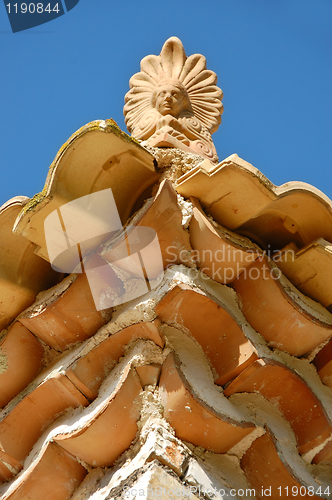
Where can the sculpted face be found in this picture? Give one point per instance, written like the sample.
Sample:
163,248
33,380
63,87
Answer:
170,99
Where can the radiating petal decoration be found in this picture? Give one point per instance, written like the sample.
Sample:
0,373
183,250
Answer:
191,96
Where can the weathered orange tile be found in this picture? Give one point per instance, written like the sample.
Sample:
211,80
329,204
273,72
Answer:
5,473
8,466
241,198
89,484
95,366
324,456
72,317
300,407
309,269
109,433
21,358
90,396
96,157
286,321
26,422
268,475
149,374
55,476
191,419
323,363
220,337
22,273
222,255
163,215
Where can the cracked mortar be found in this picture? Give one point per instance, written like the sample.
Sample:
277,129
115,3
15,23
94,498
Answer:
172,163
152,410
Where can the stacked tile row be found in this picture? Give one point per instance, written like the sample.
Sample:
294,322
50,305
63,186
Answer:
238,375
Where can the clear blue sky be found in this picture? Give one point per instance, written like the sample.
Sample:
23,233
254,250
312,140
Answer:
272,58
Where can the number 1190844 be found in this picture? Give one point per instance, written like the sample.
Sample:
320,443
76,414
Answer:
303,491
31,8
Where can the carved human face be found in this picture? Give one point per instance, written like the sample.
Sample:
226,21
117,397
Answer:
170,100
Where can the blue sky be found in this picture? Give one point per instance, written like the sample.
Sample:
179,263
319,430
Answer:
272,58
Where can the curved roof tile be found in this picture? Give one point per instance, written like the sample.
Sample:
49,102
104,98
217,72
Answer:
96,157
22,273
242,199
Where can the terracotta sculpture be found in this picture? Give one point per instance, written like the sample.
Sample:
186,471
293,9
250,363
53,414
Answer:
174,102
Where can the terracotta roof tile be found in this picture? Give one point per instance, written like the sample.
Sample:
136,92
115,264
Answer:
149,374
21,358
101,440
220,336
309,269
300,407
55,475
22,274
163,214
325,455
96,157
222,255
286,319
269,475
21,428
240,198
191,419
323,363
92,368
69,316
8,467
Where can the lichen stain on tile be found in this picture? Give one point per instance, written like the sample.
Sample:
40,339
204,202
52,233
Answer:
3,362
